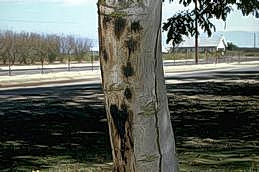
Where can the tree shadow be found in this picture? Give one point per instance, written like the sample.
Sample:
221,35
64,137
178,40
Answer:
231,76
215,109
216,125
40,127
55,123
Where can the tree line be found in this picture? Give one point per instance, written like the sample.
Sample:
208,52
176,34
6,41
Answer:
32,48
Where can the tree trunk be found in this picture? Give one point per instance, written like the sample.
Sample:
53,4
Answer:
133,82
9,67
4,60
13,58
42,63
68,63
196,33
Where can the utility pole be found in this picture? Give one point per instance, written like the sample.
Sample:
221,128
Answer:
196,32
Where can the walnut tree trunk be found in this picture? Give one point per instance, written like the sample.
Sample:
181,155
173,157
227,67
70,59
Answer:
133,81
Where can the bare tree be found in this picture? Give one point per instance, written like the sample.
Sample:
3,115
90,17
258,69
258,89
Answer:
3,48
24,48
70,47
41,50
52,44
82,48
11,50
28,48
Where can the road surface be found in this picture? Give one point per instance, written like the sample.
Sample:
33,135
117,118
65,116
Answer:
5,72
173,75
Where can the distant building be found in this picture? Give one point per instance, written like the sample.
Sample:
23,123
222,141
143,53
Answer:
205,44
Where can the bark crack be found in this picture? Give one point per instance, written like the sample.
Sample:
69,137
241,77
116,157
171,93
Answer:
157,102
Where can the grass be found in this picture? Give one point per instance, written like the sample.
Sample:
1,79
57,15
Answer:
44,129
63,128
216,125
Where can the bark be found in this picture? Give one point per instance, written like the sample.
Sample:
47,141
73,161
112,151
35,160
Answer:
42,63
196,33
68,63
135,95
9,66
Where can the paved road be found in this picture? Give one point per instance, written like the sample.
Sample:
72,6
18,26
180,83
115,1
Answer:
46,70
37,70
233,73
241,73
225,75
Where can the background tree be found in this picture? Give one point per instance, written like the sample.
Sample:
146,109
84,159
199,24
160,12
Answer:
82,48
3,48
231,46
52,48
133,82
23,48
33,53
186,22
11,49
70,47
41,50
27,48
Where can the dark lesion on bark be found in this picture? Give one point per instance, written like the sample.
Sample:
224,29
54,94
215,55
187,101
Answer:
119,26
105,55
120,116
127,93
135,26
106,19
131,44
128,70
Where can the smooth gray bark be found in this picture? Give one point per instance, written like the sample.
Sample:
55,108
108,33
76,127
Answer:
133,81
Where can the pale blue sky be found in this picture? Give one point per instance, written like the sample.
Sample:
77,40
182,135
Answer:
79,17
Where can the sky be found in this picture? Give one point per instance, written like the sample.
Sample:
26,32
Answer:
79,17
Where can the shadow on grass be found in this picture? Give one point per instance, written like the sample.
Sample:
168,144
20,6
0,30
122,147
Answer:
41,126
225,75
216,126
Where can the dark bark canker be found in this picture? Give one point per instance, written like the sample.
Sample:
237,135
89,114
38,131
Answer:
128,70
135,26
106,19
105,55
120,116
119,26
131,45
127,93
